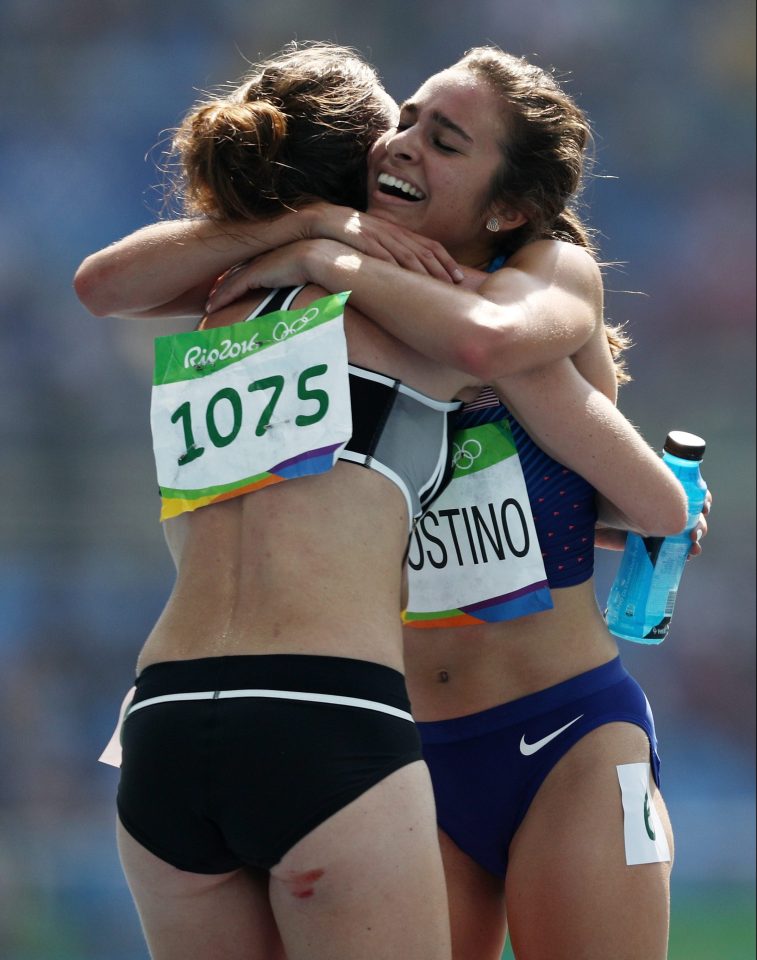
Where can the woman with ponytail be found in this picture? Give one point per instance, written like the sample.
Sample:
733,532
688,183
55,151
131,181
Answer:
273,800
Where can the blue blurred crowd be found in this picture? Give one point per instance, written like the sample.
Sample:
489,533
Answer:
89,90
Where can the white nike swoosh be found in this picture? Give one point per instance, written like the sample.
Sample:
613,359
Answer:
528,748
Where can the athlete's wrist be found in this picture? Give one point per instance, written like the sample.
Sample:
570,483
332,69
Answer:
329,264
312,220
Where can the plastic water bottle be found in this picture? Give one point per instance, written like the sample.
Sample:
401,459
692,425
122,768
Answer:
643,595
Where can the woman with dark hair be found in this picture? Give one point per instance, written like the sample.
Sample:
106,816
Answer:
537,738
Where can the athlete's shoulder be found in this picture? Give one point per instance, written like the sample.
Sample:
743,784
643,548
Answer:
564,277
556,256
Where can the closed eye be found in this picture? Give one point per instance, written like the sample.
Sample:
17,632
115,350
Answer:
439,144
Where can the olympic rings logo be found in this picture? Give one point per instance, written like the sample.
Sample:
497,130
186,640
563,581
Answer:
284,330
465,455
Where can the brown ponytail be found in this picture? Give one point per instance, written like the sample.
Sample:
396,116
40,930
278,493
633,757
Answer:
228,151
297,128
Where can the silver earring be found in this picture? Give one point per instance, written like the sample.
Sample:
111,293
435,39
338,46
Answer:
492,224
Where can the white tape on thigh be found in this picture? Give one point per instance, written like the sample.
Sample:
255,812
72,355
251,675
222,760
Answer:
644,833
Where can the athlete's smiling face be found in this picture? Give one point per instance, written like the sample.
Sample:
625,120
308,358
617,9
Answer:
434,172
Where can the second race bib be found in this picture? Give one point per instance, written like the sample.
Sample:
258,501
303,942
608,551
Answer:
474,556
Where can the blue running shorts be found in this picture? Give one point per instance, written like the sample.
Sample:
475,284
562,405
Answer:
487,767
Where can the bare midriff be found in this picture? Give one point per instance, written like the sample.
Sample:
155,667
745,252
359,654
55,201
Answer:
455,672
311,566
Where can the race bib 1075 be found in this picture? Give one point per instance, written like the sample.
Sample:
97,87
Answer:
240,407
474,556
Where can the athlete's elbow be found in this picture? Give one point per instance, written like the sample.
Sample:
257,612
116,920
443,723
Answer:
94,288
677,514
87,287
471,359
485,355
668,512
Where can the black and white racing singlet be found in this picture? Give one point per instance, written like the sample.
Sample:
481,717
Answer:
398,431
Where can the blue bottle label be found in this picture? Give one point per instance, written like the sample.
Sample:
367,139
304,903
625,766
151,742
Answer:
660,631
642,598
653,546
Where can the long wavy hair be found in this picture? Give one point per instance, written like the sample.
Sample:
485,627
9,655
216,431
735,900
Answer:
545,155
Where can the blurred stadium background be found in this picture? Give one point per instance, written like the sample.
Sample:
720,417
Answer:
88,86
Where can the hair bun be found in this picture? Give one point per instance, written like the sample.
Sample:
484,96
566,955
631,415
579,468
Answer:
296,128
257,124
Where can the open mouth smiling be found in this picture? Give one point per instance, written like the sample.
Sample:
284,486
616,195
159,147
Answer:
394,187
